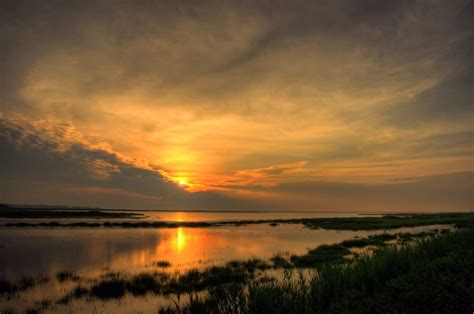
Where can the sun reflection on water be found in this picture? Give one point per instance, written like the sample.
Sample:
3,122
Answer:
186,247
180,239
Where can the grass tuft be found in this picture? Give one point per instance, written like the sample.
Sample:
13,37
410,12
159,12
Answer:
323,254
109,288
24,283
162,264
64,276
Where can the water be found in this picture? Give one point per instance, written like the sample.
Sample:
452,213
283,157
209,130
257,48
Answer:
231,216
27,251
31,251
91,252
180,216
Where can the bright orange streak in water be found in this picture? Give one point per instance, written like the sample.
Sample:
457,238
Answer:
187,248
180,240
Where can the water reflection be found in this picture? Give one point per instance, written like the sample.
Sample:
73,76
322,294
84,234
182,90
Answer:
180,239
92,251
174,216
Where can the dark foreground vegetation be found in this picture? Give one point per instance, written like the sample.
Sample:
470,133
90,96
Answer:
9,287
391,221
435,276
352,223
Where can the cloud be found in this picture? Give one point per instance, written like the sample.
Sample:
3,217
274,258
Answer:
288,168
49,166
450,101
195,55
223,94
444,192
36,168
34,158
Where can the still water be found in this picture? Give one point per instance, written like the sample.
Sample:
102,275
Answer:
30,251
180,216
91,252
227,216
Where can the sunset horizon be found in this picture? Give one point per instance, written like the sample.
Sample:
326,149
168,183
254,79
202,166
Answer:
235,156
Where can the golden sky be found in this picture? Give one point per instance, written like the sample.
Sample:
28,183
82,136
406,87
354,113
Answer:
296,105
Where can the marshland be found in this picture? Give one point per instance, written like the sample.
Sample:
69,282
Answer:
136,262
242,157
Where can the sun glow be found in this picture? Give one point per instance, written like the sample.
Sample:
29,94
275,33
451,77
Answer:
185,183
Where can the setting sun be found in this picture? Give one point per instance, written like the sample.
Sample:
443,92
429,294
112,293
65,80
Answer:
165,156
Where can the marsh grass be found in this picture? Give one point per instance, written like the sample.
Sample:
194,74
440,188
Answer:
391,221
196,280
460,220
114,285
66,275
144,283
77,293
162,264
373,240
13,212
405,237
109,288
9,287
43,304
335,253
434,276
279,261
340,253
249,265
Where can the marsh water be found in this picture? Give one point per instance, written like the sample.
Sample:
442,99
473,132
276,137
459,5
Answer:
92,252
29,251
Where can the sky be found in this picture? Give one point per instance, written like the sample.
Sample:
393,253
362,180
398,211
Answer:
238,105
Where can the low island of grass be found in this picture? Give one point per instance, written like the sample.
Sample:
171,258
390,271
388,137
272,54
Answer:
60,213
351,223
